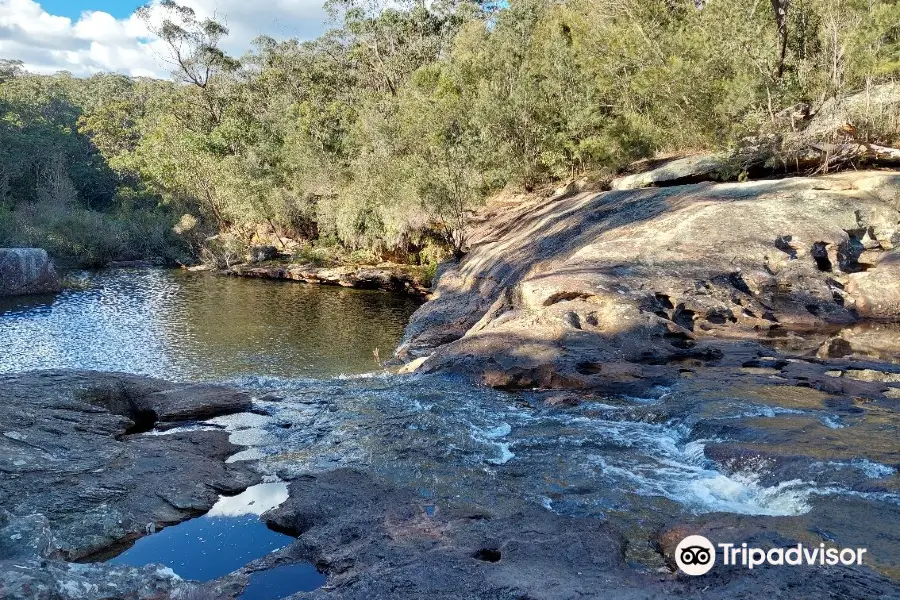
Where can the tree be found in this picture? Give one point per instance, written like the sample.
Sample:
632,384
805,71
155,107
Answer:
194,48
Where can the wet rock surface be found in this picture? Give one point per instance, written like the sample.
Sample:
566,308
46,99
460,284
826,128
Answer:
26,271
74,475
426,486
411,487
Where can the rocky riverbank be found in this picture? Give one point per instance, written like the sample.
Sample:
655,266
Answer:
715,359
388,277
422,487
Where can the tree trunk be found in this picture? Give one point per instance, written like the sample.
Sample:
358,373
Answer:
780,8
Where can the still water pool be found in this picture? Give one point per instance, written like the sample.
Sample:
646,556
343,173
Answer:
184,326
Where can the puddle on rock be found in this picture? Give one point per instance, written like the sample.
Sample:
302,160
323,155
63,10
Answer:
223,540
281,582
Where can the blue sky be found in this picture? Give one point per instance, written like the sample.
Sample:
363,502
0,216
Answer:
89,36
120,9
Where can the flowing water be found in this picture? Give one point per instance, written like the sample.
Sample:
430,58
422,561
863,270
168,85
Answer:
306,354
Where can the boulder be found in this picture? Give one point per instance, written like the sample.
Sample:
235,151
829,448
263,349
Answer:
701,167
27,271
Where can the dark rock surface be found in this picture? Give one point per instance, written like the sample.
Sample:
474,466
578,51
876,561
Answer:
70,468
37,579
392,278
27,271
377,541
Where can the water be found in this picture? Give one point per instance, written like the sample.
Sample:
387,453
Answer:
305,352
225,539
283,581
183,326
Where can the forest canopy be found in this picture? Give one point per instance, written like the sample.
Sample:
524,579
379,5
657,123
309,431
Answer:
377,138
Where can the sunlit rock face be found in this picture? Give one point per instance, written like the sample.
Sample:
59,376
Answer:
624,288
26,271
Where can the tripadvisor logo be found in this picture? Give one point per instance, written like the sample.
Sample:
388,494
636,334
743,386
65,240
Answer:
696,555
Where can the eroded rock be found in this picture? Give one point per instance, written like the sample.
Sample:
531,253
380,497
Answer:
628,287
73,475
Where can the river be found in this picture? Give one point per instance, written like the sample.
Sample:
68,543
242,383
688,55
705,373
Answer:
322,402
196,327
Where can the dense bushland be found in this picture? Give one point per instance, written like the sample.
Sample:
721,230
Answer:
377,138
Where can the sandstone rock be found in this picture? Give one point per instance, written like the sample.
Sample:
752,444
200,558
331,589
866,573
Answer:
195,402
625,288
27,271
392,278
876,292
72,475
377,541
149,402
702,167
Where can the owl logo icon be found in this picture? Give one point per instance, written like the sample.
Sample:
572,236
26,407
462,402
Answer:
695,555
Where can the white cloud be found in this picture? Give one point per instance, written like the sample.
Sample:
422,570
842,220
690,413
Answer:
97,41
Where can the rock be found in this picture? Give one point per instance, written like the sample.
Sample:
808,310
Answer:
625,289
785,532
876,292
149,402
57,580
377,541
195,402
27,271
71,473
389,277
258,254
702,167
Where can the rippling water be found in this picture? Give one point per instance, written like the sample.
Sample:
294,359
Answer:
184,326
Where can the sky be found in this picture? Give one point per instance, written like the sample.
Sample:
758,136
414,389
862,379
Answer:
88,36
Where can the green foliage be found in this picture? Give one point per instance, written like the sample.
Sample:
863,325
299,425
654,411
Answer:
380,137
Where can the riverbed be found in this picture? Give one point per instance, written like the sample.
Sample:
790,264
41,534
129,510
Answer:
322,402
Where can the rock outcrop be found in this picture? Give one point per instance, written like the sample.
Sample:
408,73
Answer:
27,271
74,475
392,278
689,169
627,287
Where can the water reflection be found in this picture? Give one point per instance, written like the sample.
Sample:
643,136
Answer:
253,501
198,327
282,582
224,540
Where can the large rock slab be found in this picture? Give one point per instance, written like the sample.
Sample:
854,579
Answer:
27,271
378,541
630,286
72,473
690,169
876,292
